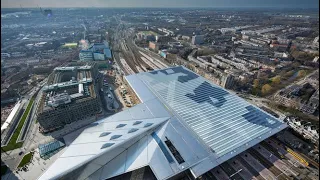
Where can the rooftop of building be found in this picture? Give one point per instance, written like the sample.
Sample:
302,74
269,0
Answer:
183,122
68,84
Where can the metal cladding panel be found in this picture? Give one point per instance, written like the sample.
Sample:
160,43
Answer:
202,167
60,166
181,145
115,166
157,108
88,170
192,142
158,162
95,175
223,121
95,136
90,144
124,115
135,158
142,112
139,88
83,149
137,155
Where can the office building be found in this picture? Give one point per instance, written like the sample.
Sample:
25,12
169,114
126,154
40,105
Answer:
69,96
183,124
86,55
153,46
197,39
227,81
96,52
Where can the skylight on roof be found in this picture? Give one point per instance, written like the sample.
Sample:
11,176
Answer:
148,124
121,125
104,134
106,145
115,137
133,130
137,122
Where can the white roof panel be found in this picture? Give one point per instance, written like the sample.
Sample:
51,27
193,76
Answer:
157,108
114,167
138,86
137,155
62,165
206,124
223,121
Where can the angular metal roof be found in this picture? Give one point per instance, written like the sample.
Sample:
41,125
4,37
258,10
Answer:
205,124
223,121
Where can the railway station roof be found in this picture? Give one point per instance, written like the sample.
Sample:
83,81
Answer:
183,123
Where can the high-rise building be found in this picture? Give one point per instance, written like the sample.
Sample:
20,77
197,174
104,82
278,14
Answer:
197,39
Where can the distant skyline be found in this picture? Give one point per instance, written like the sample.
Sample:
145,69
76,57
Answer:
162,3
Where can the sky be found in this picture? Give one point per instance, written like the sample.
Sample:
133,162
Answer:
161,3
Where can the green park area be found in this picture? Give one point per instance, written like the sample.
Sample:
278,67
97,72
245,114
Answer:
266,85
70,45
26,159
149,33
12,142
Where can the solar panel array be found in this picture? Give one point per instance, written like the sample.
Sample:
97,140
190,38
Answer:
222,120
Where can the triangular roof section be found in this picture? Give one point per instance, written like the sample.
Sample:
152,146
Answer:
102,142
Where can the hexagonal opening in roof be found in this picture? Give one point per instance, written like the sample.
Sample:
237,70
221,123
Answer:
121,125
106,145
133,130
137,122
104,134
147,124
115,137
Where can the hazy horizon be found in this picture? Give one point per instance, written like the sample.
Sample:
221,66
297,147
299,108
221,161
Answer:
284,4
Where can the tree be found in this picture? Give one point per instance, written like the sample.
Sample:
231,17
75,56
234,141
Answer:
276,80
302,73
266,89
289,74
255,83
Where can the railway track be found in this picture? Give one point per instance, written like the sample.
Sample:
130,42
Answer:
140,62
230,171
126,66
250,169
134,61
279,155
299,156
117,59
155,61
279,174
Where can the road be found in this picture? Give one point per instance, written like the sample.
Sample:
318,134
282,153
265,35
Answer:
298,82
